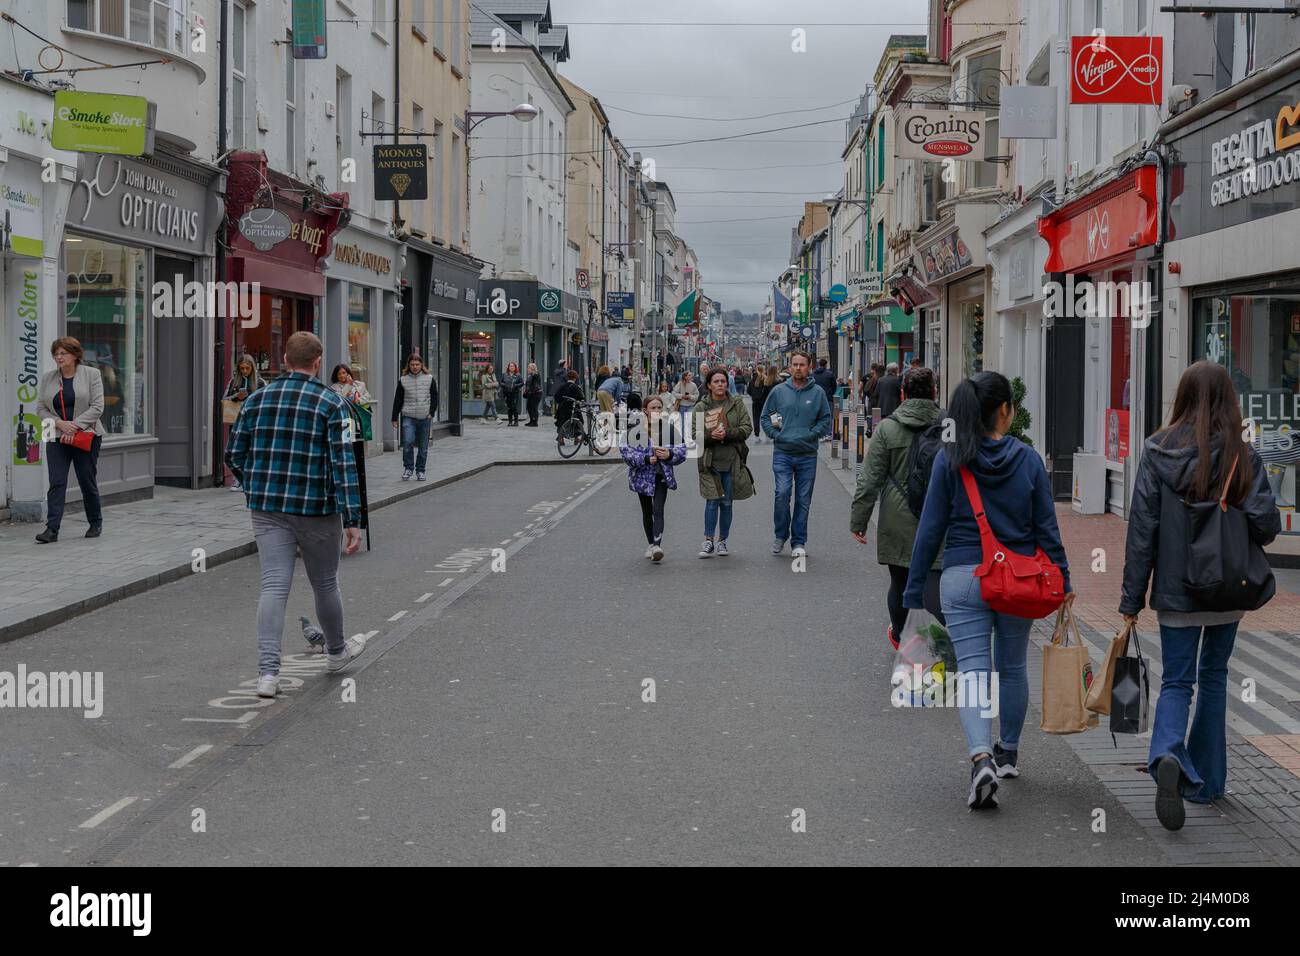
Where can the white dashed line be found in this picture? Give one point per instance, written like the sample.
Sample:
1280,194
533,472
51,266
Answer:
518,534
190,757
423,597
397,617
369,634
107,812
506,541
446,582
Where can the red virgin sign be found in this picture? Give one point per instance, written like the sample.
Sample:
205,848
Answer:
1106,69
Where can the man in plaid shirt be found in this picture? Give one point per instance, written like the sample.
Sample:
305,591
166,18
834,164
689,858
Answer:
291,450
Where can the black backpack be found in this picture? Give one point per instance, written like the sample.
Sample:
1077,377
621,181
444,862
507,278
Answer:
926,443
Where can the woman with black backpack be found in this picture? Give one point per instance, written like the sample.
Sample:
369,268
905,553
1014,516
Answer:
1008,482
1197,464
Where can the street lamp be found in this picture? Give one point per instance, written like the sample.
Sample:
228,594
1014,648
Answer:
524,112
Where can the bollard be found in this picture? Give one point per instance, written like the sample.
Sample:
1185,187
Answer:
844,438
862,444
835,428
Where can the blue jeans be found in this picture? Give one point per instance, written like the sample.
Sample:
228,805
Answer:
1204,755
717,511
797,473
415,442
972,625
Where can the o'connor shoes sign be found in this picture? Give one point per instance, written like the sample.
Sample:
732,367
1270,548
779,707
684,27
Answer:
100,123
1245,160
941,134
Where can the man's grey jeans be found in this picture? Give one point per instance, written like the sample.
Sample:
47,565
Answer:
279,537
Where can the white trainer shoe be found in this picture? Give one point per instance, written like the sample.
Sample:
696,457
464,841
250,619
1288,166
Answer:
799,552
352,648
656,553
268,685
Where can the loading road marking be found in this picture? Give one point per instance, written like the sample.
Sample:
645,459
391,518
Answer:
107,812
222,720
190,757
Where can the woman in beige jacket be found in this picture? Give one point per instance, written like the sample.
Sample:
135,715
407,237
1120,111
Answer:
72,396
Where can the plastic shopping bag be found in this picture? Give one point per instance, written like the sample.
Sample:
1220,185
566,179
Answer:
925,664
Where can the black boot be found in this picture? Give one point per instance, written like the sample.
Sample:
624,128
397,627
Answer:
47,536
95,530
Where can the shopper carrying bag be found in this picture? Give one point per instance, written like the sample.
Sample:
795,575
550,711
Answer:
1067,673
1099,693
1202,510
1130,696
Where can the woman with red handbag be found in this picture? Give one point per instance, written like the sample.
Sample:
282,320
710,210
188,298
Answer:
989,504
73,397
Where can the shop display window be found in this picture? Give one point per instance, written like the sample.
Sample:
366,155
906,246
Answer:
359,331
106,311
477,348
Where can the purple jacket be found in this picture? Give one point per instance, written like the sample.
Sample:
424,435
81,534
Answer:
641,467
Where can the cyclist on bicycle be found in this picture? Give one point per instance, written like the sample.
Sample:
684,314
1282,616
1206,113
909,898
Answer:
567,399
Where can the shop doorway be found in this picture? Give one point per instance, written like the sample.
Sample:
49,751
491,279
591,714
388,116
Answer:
176,454
1063,402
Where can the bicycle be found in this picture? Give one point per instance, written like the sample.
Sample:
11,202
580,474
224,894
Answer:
584,427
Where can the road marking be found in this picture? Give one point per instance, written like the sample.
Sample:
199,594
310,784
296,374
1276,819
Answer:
190,757
423,597
222,720
369,634
107,812
518,534
397,617
506,541
446,582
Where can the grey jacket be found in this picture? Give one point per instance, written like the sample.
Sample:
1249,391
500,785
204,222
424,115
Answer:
88,391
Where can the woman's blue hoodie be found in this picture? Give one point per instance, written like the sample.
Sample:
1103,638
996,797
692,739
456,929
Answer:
1017,497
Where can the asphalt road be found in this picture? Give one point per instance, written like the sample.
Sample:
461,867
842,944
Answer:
500,716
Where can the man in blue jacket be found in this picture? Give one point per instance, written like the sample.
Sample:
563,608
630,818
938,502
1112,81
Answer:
795,416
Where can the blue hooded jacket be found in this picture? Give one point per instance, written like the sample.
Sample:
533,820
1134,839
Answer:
1017,496
805,417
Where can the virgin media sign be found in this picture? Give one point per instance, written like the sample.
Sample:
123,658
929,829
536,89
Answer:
1106,69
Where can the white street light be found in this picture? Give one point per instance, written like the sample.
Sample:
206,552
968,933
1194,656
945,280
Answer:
525,112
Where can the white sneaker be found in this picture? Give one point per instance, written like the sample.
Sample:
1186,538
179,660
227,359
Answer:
406,475
649,551
419,476
352,648
656,553
721,550
268,685
799,552
706,549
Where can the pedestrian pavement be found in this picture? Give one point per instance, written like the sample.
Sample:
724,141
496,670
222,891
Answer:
152,541
1258,821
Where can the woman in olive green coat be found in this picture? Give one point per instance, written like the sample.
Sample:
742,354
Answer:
723,424
883,479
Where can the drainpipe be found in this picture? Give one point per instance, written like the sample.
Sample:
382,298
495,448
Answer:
219,323
1062,101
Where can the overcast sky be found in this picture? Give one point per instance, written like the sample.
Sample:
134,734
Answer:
708,62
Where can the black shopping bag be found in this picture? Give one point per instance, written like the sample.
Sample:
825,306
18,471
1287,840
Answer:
1130,695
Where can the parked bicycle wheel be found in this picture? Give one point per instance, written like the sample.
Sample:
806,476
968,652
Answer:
570,438
602,435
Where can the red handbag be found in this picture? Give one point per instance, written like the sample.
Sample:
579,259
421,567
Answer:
1012,583
80,440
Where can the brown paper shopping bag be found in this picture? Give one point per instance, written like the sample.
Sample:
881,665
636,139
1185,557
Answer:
1099,693
1067,672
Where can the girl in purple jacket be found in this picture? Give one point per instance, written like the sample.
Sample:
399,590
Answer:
651,448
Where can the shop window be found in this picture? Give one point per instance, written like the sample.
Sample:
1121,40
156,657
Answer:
359,331
282,316
972,323
106,295
1120,397
477,350
1257,338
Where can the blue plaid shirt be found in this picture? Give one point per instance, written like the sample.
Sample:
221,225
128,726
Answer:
291,449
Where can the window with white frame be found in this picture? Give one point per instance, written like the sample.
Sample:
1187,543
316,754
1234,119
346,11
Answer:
158,23
439,25
290,107
457,200
984,87
239,30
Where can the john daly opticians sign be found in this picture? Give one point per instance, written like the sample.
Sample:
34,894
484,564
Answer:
941,134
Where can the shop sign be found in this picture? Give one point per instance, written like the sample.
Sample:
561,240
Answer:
946,257
621,307
867,283
1116,69
354,255
100,123
1119,219
497,305
401,171
941,134
1116,434
26,423
1243,159
308,20
133,200
20,207
548,300
265,228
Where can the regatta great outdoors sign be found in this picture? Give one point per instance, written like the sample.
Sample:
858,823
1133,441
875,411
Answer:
100,123
941,134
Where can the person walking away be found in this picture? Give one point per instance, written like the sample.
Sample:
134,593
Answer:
1199,456
889,391
795,417
610,390
533,394
558,379
761,386
244,382
825,379
567,401
884,480
652,448
512,387
1017,502
72,396
415,402
489,382
724,479
685,394
290,450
